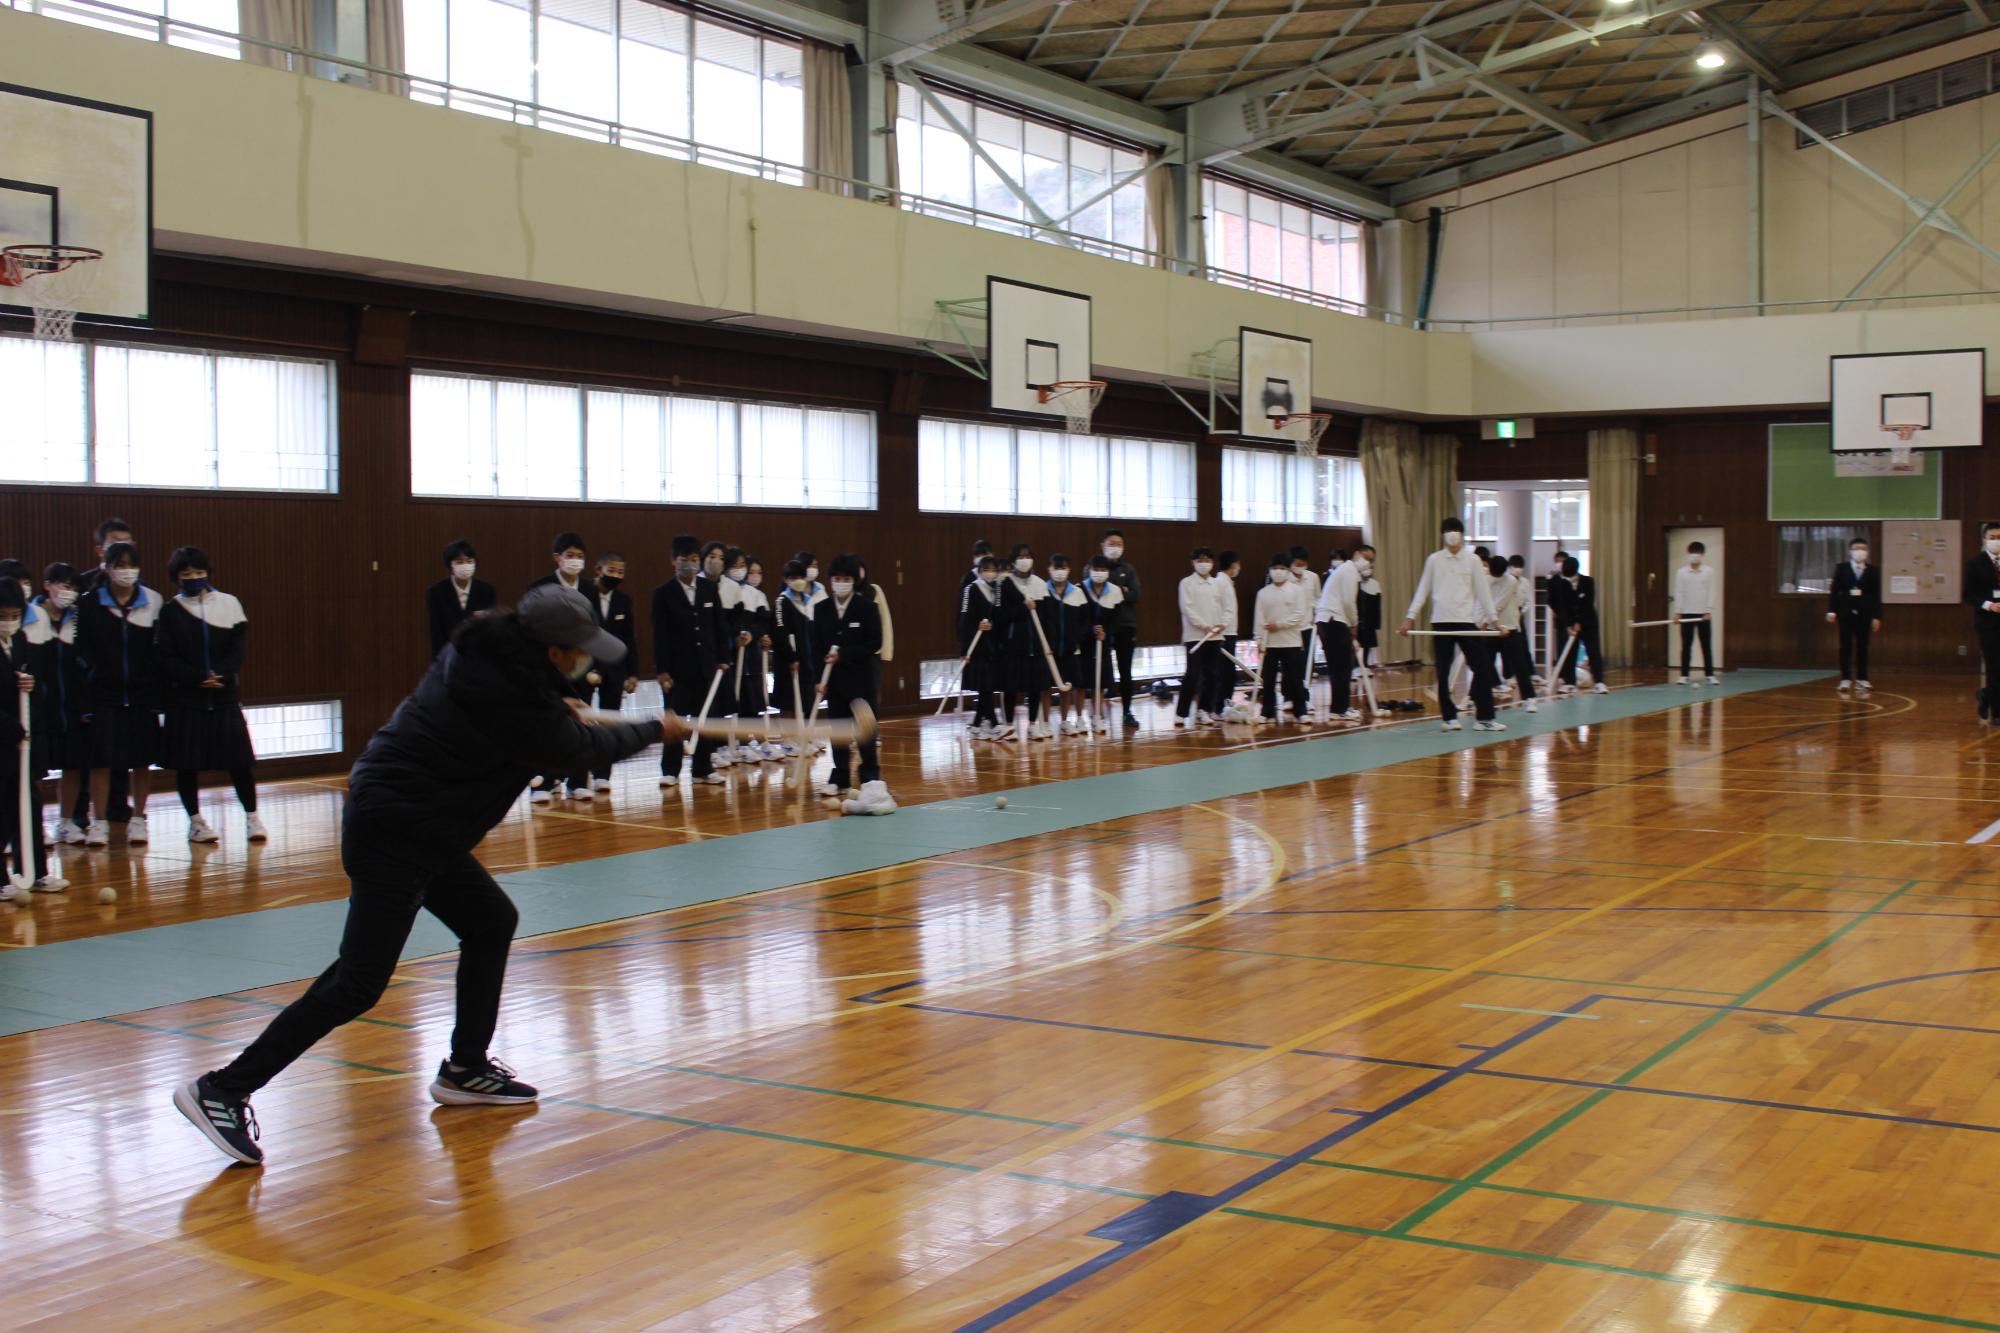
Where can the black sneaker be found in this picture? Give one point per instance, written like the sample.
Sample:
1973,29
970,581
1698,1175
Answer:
1130,721
488,1083
1980,695
228,1121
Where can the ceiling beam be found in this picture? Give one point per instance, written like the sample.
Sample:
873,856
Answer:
900,31
1739,44
1509,96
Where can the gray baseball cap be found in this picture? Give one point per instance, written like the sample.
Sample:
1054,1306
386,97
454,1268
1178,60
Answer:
562,616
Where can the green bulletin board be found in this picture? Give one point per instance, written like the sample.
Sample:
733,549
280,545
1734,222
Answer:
1803,487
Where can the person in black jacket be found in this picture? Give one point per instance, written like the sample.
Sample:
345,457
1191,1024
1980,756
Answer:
493,710
25,663
457,595
979,618
1574,597
1980,588
65,692
199,645
614,680
847,632
791,648
1855,604
1124,629
688,637
115,635
567,555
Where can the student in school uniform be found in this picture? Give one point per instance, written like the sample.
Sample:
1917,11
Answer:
879,595
1123,639
1339,615
980,646
612,606
1203,619
1694,611
792,651
1065,617
1027,671
981,550
1222,681
1106,600
1307,578
754,619
568,557
1459,593
1575,596
456,596
116,637
109,533
52,623
1854,604
847,633
1279,618
811,563
1509,606
1368,601
689,638
736,640
23,664
200,645
1980,587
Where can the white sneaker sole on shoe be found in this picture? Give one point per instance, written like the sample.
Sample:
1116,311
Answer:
189,1105
444,1094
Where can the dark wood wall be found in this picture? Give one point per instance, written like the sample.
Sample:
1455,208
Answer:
334,583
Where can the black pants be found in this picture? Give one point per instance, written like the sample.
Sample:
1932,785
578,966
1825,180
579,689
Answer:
1587,644
1693,632
1118,660
793,695
388,890
1515,662
578,781
1987,626
1219,681
1284,670
188,783
117,801
686,698
1339,641
10,820
1203,660
1478,656
1855,632
840,698
980,674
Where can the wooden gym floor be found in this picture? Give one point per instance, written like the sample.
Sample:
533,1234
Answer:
1685,1019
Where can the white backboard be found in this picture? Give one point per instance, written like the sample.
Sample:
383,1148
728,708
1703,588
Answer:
1942,395
1274,378
74,172
1034,336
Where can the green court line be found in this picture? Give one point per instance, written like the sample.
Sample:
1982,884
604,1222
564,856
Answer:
1444,1200
851,1096
266,1004
221,1041
770,1135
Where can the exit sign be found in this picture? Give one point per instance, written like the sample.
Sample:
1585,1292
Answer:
1507,428
1504,430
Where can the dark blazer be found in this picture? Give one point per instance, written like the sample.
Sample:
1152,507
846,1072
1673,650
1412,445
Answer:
974,607
858,635
1126,614
624,627
1978,586
688,637
1574,605
791,633
1857,598
442,609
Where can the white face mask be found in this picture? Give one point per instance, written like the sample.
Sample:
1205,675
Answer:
1454,540
1113,551
1993,546
1364,565
1024,565
571,565
1858,557
843,587
9,628
1099,575
739,574
1202,567
796,585
1057,575
125,578
812,573
1281,576
989,576
462,571
1695,559
62,598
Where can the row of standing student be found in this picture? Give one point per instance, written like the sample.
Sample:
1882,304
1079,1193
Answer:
121,679
715,634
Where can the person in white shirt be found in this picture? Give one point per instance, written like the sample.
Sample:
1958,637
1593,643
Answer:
1282,616
1694,610
1339,615
1510,605
1203,619
1304,575
1460,592
1220,684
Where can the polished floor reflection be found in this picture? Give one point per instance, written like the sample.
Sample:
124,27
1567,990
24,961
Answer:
1682,1021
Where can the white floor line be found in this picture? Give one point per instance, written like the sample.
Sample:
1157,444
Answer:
1985,834
1546,1013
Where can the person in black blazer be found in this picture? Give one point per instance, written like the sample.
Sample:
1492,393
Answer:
1981,590
1574,597
613,607
567,554
457,595
1855,604
847,630
688,643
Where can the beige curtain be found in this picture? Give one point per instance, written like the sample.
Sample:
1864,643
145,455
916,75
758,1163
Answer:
285,22
829,117
385,45
892,169
1614,524
1412,482
1160,214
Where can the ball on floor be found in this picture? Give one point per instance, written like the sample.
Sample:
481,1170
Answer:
999,802
107,894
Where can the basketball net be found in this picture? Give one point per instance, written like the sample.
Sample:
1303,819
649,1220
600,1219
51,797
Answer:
1307,440
54,279
1078,400
1900,450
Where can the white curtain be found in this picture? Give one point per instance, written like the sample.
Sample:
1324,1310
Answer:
1614,521
385,45
829,107
284,22
1412,480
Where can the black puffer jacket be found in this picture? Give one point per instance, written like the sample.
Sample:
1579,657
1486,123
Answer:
458,752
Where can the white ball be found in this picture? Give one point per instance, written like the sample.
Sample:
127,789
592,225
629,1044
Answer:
23,897
107,894
999,802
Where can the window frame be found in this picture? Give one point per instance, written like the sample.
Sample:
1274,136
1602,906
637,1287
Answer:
1279,204
1475,498
1291,514
1852,528
1536,509
1015,425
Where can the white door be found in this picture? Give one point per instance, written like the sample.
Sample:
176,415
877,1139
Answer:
1677,544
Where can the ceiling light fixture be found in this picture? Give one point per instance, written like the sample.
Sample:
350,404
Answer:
1711,57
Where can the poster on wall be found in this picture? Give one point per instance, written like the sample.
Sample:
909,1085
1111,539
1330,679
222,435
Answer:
1877,465
1921,561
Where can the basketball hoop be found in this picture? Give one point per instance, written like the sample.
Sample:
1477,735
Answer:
1315,423
1900,452
61,276
1078,400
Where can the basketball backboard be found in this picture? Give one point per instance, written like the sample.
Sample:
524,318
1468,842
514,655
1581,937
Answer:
1274,379
1035,336
80,173
1911,400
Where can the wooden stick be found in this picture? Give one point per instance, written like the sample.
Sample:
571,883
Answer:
1555,672
959,693
1648,624
844,732
1047,655
1454,633
714,684
24,832
740,647
1097,711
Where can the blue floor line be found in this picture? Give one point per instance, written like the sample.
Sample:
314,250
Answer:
81,980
